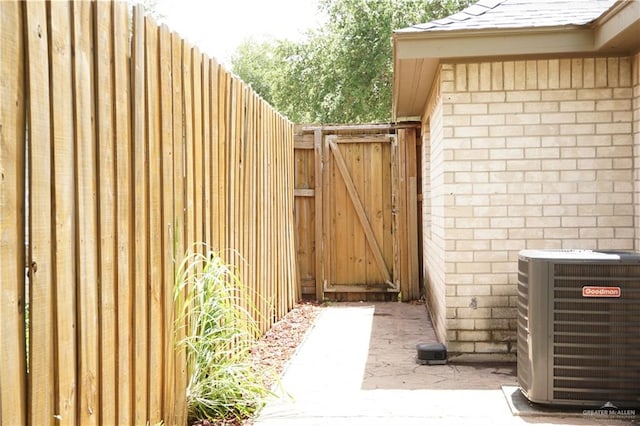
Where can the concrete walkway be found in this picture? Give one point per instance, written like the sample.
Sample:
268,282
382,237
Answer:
357,367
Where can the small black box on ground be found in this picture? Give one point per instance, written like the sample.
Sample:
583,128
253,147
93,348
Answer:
431,354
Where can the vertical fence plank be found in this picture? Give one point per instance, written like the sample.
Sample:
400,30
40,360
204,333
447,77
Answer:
41,278
156,230
166,110
179,215
196,81
12,224
64,202
141,220
125,204
88,374
214,155
187,90
106,211
206,153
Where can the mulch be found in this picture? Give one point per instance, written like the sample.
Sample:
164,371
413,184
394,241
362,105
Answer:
273,351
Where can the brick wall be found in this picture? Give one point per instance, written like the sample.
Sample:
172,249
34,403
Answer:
529,154
434,218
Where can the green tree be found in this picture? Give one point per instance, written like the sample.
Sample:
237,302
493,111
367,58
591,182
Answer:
342,73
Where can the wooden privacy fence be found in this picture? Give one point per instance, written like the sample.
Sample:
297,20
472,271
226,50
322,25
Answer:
121,146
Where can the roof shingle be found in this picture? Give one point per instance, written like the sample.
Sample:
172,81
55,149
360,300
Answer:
498,14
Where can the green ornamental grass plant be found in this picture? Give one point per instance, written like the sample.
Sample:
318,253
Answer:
220,333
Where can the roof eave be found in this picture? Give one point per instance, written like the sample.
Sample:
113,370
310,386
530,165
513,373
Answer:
614,32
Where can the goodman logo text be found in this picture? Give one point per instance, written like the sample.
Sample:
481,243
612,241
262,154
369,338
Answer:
592,291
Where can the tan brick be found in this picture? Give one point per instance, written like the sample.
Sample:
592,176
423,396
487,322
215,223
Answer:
524,188
457,98
525,211
503,335
612,128
616,221
542,153
489,234
473,313
506,154
489,166
506,199
558,117
473,290
595,186
460,347
578,198
613,105
482,347
561,164
503,312
480,245
488,97
461,324
524,165
575,106
561,233
504,176
540,107
490,211
509,108
492,324
578,152
560,210
594,94
541,129
558,95
523,96
524,142
456,120
543,199
559,141
542,222
491,256
596,233
578,222
594,117
577,129
615,175
471,154
594,164
616,244
460,108
540,176
478,143
471,200
487,120
522,119
524,234
510,244
595,140
619,116
474,336
496,131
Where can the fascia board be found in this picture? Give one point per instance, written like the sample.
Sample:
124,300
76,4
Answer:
496,43
624,15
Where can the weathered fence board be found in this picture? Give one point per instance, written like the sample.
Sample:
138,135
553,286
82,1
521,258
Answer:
139,149
13,389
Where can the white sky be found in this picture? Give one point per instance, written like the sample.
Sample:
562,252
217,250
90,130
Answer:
217,27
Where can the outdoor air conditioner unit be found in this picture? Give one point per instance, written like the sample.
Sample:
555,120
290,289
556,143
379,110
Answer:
579,327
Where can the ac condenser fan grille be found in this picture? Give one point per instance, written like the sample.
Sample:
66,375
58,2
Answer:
596,340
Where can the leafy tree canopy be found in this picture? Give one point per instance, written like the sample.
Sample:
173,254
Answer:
342,72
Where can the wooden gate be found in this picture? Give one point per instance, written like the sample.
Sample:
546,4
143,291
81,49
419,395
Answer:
356,212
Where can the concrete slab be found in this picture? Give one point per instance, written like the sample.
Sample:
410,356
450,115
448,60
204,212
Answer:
357,367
